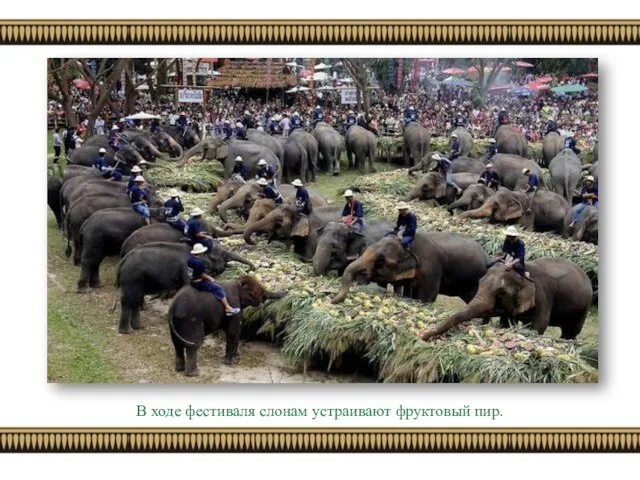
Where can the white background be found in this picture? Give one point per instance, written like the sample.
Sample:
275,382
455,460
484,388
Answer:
27,400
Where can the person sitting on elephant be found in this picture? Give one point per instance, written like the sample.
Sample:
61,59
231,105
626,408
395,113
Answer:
116,175
443,166
352,213
100,163
271,175
362,121
351,120
193,230
182,123
261,171
460,120
455,149
533,183
139,197
204,283
240,171
240,132
172,209
589,195
135,171
248,120
410,115
552,126
492,149
318,115
503,119
490,177
155,125
296,121
270,191
406,225
303,204
113,137
513,250
227,130
570,142
273,125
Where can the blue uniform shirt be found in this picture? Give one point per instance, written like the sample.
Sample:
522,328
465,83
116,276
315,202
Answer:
241,133
533,180
241,169
491,150
318,115
130,182
356,210
273,194
410,224
592,189
137,194
456,146
515,249
302,201
410,116
570,142
270,172
444,165
351,120
193,228
460,121
172,208
296,122
228,132
195,267
117,175
100,162
490,178
182,122
261,171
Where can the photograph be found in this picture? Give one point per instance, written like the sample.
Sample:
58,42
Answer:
322,220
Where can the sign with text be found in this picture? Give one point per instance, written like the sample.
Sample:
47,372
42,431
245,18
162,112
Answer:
348,96
187,95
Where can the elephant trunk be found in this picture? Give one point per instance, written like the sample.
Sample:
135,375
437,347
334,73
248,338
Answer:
358,266
263,226
155,152
229,204
176,148
217,233
275,295
482,212
237,258
320,261
460,203
479,307
413,193
191,152
579,233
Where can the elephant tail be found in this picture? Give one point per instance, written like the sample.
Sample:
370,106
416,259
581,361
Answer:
115,294
175,332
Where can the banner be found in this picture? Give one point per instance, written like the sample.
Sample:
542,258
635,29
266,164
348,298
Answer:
187,95
348,96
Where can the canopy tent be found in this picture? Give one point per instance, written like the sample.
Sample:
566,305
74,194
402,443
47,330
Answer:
325,87
569,89
457,82
142,116
214,73
589,75
322,66
522,64
82,84
453,71
298,89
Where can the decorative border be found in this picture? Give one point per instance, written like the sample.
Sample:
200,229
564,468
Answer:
330,440
319,32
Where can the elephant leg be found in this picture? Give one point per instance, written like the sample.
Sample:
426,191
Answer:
67,251
304,175
125,319
233,340
179,349
372,169
541,319
407,157
486,320
135,319
192,362
77,251
504,321
427,289
571,331
83,282
398,289
94,278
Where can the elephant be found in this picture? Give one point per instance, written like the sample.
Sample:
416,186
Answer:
54,184
586,228
508,140
246,196
72,171
473,197
465,139
438,263
565,170
338,244
163,232
330,145
459,165
227,151
102,235
189,140
126,157
558,295
160,268
166,143
509,168
286,224
266,140
552,145
260,209
296,162
310,144
194,314
416,142
548,210
225,191
432,185
361,143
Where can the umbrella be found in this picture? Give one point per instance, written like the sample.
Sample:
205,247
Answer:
589,75
82,84
298,89
457,82
520,63
521,91
322,66
472,69
569,89
325,87
453,71
141,116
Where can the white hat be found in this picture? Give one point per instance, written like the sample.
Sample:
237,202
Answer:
525,170
238,158
297,183
239,125
226,121
489,165
262,162
455,135
246,112
183,113
348,193
492,140
198,248
350,112
139,178
403,206
296,113
511,231
142,162
174,193
436,156
262,181
102,150
590,178
115,127
136,169
196,212
122,119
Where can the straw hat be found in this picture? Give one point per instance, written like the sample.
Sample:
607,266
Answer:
198,248
436,156
525,170
196,212
262,181
403,206
139,178
136,169
142,162
454,135
297,183
348,193
102,150
492,140
239,125
262,162
590,178
489,165
238,158
115,127
511,231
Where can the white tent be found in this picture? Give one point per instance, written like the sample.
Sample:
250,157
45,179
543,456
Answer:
322,66
325,87
141,116
298,89
320,77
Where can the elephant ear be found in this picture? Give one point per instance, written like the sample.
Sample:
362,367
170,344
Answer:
300,228
222,151
526,298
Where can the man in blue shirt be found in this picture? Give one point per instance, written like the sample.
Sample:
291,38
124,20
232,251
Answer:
351,120
352,213
155,125
100,163
113,137
135,171
139,197
261,170
533,182
318,115
296,121
248,119
459,121
514,251
196,268
406,224
410,115
193,230
490,177
116,175
552,126
240,133
303,204
172,209
444,168
503,119
227,130
270,191
240,170
455,148
570,142
492,149
182,123
589,194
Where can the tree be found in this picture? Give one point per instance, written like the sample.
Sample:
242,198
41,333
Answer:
360,70
62,71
